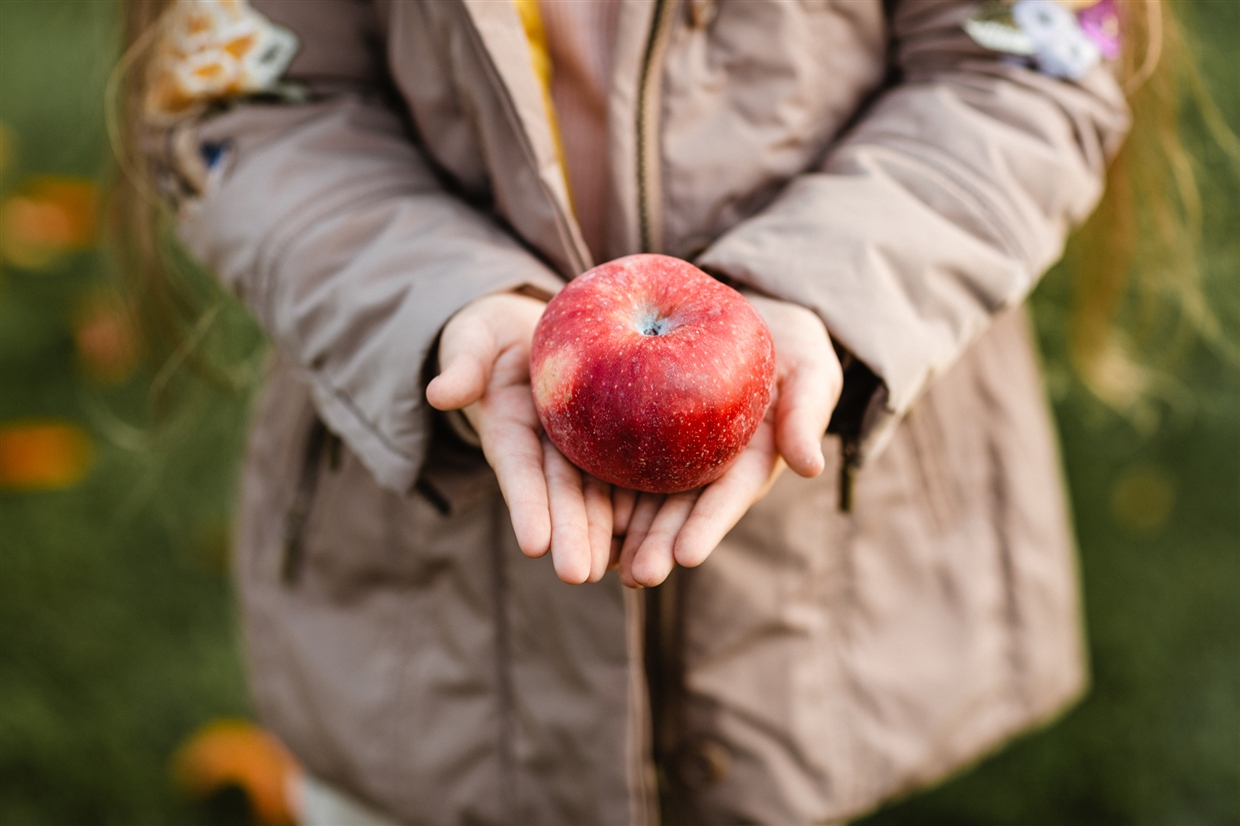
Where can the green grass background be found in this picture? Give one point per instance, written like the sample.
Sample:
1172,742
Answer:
117,630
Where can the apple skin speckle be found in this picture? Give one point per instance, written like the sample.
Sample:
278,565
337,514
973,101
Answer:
650,374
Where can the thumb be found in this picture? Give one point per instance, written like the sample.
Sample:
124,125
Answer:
467,352
807,395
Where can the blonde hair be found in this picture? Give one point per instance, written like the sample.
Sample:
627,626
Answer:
176,308
1137,293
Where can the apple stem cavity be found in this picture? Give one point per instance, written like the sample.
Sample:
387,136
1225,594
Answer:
650,323
660,416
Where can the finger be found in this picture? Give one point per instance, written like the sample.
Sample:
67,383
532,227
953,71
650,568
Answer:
725,501
807,396
599,522
622,502
644,512
514,452
467,351
654,560
570,526
809,382
613,562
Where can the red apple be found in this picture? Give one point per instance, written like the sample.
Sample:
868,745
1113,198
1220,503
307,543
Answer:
650,374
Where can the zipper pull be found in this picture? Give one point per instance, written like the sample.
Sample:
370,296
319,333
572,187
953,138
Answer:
850,459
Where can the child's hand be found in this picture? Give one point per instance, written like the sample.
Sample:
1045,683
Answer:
660,531
485,354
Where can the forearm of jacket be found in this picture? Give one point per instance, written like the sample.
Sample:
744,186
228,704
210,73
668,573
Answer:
943,205
327,221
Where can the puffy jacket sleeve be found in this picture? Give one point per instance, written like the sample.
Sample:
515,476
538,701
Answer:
942,205
326,219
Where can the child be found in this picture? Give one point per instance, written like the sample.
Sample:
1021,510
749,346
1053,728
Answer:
395,188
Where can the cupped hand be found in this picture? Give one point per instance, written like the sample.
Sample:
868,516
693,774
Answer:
660,531
485,356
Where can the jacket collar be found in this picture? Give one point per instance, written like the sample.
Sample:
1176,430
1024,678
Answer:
503,37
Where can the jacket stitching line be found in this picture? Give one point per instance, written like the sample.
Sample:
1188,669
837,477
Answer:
649,118
1013,619
503,665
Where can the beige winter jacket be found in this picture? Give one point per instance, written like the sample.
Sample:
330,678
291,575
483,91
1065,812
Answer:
885,171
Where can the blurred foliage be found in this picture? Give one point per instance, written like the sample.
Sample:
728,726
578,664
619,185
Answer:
117,631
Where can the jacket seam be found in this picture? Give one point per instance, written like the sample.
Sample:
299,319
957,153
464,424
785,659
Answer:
505,736
648,129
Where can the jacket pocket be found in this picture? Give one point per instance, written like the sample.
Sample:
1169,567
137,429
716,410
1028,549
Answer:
319,442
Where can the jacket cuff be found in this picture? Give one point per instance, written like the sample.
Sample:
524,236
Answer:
861,392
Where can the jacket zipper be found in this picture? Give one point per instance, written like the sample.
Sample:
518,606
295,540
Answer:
850,460
649,189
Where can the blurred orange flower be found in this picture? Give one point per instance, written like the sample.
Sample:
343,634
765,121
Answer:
211,50
48,217
103,333
43,455
238,753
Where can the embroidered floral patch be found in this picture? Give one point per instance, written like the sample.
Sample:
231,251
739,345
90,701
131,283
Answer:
993,27
1063,38
1100,22
211,50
